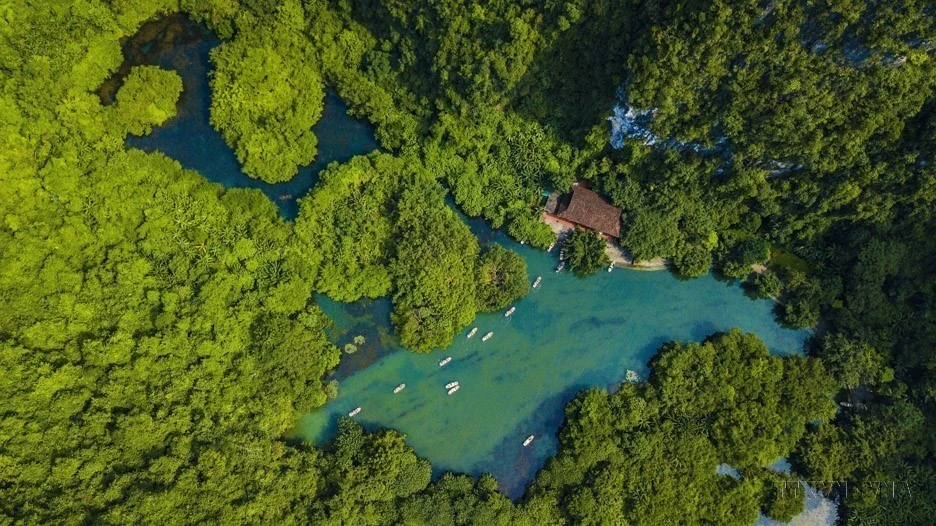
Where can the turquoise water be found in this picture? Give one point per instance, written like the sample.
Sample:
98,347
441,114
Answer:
190,139
567,335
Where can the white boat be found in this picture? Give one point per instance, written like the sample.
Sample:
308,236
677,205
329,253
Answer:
561,266
355,411
452,390
510,311
529,440
399,388
451,385
537,282
550,247
445,361
487,336
610,267
473,331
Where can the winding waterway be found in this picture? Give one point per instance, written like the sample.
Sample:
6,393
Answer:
567,335
180,44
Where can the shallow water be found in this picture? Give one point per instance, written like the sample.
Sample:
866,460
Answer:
189,137
567,335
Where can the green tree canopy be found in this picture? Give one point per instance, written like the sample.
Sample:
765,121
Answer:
649,453
502,278
267,94
585,252
146,99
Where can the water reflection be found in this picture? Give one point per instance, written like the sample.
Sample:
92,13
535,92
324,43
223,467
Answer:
180,44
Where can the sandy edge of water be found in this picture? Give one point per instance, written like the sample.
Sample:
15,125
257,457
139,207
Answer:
618,256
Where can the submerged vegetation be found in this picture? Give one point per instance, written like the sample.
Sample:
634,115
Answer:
159,335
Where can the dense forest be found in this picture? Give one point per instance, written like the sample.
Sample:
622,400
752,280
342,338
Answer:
159,334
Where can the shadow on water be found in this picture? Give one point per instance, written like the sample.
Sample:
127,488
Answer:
153,40
512,463
367,318
178,43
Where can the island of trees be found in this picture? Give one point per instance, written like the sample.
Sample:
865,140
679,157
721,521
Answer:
159,334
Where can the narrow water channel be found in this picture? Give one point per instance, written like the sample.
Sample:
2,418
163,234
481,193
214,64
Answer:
179,44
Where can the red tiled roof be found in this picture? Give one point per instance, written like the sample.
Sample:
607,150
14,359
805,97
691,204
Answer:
586,208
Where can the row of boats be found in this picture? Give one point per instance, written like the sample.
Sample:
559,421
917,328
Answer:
484,338
450,387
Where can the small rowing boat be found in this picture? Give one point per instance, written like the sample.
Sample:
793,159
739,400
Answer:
537,282
452,390
487,336
610,267
561,266
473,331
399,388
510,311
451,385
355,411
550,247
445,361
529,440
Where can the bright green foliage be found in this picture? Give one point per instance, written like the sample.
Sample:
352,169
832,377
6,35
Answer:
157,349
364,474
459,499
585,252
751,251
373,220
147,98
267,94
346,224
649,453
158,334
650,234
432,304
502,278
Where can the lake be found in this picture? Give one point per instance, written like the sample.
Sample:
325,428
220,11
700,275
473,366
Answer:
567,335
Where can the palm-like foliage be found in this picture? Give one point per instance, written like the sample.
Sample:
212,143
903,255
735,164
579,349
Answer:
586,252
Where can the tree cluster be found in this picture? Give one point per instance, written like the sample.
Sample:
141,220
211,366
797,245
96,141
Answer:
159,336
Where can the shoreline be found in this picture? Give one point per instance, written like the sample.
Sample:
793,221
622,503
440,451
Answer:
619,257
